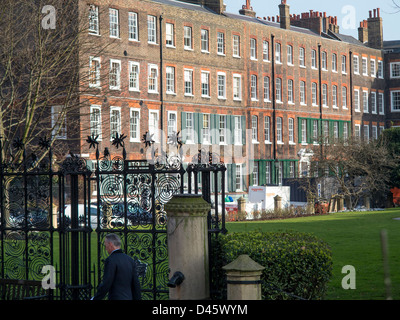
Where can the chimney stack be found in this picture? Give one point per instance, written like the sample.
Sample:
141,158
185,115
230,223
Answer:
363,32
375,29
247,10
284,13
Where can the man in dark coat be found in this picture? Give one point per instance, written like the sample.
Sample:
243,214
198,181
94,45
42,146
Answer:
120,279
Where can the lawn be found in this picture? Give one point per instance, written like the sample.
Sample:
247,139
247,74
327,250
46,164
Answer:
354,238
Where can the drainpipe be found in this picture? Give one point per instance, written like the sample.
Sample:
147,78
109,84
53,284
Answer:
351,91
273,87
161,83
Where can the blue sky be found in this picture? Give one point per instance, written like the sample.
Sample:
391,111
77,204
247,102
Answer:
349,13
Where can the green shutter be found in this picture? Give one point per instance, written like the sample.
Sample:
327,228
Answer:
299,130
213,128
262,179
243,120
244,177
183,127
196,126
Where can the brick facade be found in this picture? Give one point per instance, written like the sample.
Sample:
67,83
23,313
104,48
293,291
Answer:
230,51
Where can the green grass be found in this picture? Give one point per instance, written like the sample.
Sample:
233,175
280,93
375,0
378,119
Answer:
355,240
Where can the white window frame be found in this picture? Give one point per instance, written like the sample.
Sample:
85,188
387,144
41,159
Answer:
365,101
304,131
187,38
152,82
94,73
95,124
236,46
394,70
291,130
172,124
267,129
344,64
357,131
253,49
151,29
380,69
170,80
314,59
356,64
133,29
374,108
279,130
237,87
366,132
205,84
134,78
170,35
334,96
60,127
372,63
364,66
189,125
254,129
205,40
357,104
344,97
221,85
394,93
324,95
222,129
381,103
94,20
267,92
114,22
290,91
289,54
132,113
115,124
266,51
324,61
334,62
278,90
314,93
206,129
303,97
302,57
238,177
154,127
254,87
278,53
117,85
221,43
188,82
237,130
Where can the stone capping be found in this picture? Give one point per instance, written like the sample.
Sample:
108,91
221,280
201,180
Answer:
188,204
243,264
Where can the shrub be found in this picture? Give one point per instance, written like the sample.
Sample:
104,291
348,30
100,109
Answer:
296,263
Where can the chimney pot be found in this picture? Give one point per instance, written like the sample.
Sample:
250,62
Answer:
379,12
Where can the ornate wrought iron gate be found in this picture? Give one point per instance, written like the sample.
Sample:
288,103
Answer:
58,214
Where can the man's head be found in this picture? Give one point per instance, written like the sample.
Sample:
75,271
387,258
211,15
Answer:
112,242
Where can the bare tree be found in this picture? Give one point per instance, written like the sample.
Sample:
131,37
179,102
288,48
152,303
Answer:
355,168
44,73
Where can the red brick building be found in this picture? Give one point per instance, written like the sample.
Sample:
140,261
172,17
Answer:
245,87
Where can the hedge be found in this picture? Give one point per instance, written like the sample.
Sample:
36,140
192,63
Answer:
297,265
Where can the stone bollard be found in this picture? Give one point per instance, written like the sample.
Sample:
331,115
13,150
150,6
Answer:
340,203
277,203
367,203
241,208
187,236
243,279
